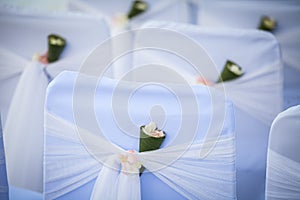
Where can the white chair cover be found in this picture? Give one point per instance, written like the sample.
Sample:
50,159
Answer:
24,33
257,94
283,167
246,14
88,165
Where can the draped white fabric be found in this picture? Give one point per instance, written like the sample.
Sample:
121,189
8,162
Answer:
11,67
283,177
193,177
283,174
13,62
24,127
265,82
22,98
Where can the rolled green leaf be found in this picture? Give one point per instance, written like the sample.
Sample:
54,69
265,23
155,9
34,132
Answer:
230,71
137,8
267,23
149,143
56,45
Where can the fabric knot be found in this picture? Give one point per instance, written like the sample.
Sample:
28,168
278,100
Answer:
130,163
41,58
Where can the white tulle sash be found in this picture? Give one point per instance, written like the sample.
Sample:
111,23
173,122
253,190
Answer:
256,92
23,130
283,177
211,177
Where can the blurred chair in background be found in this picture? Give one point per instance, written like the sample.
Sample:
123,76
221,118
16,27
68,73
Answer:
283,166
23,34
257,95
247,15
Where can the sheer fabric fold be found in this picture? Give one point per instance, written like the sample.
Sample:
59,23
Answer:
11,64
254,91
283,165
211,177
26,113
283,177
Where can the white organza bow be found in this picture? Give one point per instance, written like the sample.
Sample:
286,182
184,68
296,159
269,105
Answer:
69,164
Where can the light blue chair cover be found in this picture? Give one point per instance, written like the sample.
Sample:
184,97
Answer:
62,157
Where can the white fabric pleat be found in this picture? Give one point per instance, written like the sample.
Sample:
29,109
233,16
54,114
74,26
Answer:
26,113
283,177
171,10
211,177
11,64
111,184
254,92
